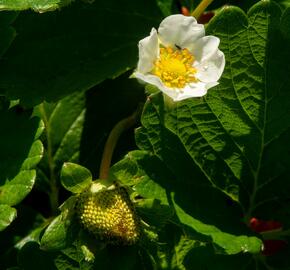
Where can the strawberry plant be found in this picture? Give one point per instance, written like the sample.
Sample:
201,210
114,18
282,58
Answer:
149,134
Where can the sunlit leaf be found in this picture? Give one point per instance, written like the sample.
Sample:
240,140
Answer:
7,215
20,152
36,5
75,178
58,53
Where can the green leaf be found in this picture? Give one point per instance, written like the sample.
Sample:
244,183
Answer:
7,33
60,233
237,136
37,5
63,230
126,257
73,257
283,3
77,126
165,6
232,145
20,152
32,236
229,243
143,171
14,191
32,258
20,149
172,255
285,23
152,179
153,212
63,126
251,105
7,215
204,257
181,249
75,178
34,156
63,262
63,123
133,171
79,47
27,227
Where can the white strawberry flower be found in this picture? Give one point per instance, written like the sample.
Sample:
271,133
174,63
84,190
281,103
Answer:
179,59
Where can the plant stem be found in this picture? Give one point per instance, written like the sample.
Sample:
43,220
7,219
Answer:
275,234
201,8
112,140
54,190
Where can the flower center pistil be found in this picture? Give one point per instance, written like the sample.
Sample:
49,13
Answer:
174,67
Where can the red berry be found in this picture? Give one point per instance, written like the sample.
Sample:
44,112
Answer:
205,17
258,225
272,246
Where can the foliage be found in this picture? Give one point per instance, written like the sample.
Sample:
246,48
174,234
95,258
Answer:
37,5
197,171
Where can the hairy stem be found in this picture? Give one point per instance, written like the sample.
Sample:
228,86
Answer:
54,190
201,8
112,140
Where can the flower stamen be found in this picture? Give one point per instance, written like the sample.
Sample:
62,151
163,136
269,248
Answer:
174,67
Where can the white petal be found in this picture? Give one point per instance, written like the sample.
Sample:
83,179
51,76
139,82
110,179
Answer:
198,89
149,78
152,79
205,47
171,92
148,52
211,69
211,84
180,30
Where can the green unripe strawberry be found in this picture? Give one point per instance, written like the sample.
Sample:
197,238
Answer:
109,214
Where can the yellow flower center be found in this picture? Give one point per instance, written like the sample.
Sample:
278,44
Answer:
174,67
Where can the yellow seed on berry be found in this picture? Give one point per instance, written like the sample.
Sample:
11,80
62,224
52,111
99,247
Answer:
109,215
